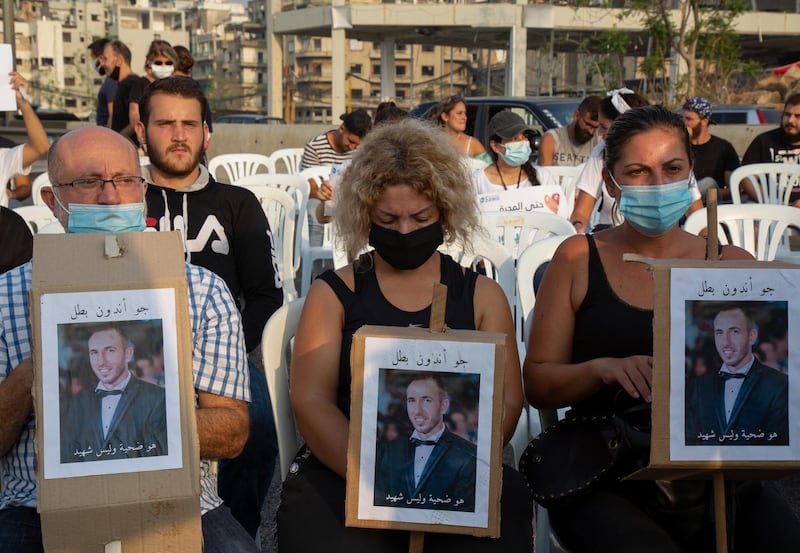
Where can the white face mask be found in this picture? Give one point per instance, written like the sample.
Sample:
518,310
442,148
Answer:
162,71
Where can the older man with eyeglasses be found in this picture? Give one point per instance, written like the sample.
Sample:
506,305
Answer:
97,188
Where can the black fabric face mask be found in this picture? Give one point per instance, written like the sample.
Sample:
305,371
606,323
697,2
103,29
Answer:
406,251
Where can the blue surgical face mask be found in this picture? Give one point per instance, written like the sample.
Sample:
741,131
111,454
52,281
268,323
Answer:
112,219
517,153
654,209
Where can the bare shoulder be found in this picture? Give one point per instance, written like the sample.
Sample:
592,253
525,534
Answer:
734,253
572,249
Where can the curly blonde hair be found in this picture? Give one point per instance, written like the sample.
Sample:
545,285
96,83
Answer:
411,152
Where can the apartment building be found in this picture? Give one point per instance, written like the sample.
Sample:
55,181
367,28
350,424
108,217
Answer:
422,72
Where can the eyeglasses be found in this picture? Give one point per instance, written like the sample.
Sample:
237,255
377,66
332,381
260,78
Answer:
95,185
159,62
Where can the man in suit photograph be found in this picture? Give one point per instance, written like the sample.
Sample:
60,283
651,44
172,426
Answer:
744,402
432,468
122,416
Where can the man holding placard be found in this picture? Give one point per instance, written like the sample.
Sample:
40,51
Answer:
97,188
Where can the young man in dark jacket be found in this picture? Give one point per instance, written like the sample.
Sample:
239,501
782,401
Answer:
225,230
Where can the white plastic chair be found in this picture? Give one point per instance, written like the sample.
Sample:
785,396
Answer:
36,188
281,212
296,187
518,229
312,253
567,178
286,160
531,258
500,266
37,216
528,262
773,182
275,341
236,166
757,228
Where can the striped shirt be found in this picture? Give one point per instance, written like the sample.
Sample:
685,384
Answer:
219,365
318,151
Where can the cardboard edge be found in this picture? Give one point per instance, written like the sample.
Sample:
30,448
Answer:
354,437
661,467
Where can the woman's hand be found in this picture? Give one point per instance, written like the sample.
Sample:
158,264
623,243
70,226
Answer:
634,374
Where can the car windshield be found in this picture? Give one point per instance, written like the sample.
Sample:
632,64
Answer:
560,114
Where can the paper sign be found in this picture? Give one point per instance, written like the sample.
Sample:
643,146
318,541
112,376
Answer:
8,100
549,198
732,355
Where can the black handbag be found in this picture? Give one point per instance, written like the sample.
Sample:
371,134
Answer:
576,453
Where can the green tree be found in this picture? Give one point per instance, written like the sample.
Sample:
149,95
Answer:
688,29
691,31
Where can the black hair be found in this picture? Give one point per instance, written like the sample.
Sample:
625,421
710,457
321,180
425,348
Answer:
97,46
357,122
590,105
121,49
171,86
639,120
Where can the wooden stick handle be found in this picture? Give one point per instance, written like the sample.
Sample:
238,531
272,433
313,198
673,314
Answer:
712,238
416,541
719,513
438,307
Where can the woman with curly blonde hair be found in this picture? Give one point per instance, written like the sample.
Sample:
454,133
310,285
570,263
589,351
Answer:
405,193
408,152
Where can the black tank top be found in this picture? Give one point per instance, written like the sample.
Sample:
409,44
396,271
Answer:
606,326
368,306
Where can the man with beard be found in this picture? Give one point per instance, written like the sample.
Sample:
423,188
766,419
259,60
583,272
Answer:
714,157
225,230
781,145
116,60
572,144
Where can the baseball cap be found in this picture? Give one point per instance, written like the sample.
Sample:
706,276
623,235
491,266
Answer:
700,106
506,124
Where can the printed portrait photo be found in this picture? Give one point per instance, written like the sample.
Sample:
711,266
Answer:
112,400
737,374
426,443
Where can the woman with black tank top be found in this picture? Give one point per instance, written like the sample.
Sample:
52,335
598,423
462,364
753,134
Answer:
404,193
592,341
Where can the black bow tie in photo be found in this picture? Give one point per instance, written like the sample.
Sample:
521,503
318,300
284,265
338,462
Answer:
726,376
104,393
416,442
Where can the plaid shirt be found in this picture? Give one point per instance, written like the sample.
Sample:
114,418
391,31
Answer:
219,364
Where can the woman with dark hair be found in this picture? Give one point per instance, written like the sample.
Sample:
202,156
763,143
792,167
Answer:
451,115
591,348
590,181
510,150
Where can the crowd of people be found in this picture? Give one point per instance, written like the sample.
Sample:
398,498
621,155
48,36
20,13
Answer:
403,190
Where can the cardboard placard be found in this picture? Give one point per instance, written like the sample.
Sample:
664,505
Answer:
470,365
687,339
140,487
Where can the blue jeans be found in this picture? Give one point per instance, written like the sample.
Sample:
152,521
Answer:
243,482
222,534
20,531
